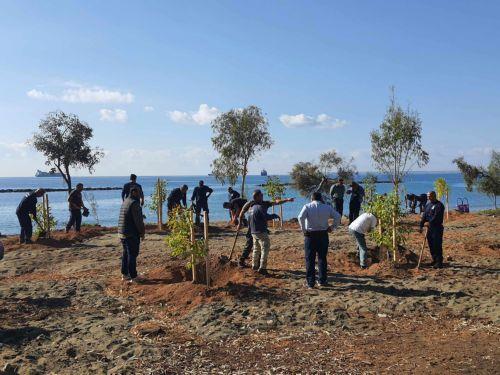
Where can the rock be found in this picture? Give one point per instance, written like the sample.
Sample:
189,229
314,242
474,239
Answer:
71,352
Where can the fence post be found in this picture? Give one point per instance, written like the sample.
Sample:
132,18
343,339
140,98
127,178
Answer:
47,212
207,258
281,216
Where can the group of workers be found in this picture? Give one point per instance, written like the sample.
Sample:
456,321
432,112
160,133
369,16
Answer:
313,221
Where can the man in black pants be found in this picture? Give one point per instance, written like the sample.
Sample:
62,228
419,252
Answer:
433,220
337,192
131,230
75,206
130,185
176,197
26,207
357,195
200,196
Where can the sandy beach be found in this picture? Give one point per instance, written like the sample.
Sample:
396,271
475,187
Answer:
64,309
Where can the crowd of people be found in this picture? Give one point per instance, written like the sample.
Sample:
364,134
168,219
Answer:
316,219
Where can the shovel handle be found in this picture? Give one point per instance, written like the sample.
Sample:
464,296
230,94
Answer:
422,248
235,239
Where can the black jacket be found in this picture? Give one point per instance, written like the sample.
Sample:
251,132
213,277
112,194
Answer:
27,205
130,185
433,214
130,222
200,194
176,196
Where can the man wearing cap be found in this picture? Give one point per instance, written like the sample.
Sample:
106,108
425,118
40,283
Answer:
177,198
200,196
129,185
75,202
313,221
131,230
26,207
337,192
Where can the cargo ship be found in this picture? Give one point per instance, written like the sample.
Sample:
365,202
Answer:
263,172
51,173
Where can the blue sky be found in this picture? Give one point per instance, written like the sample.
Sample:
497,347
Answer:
149,76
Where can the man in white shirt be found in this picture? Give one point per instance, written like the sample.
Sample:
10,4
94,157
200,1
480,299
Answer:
313,220
364,224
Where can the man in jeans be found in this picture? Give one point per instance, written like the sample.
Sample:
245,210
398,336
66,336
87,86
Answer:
131,230
337,192
258,198
75,206
364,224
313,221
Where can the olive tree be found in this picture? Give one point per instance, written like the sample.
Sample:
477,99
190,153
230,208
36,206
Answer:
64,141
485,180
239,136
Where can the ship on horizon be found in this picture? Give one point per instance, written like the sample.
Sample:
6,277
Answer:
51,173
263,172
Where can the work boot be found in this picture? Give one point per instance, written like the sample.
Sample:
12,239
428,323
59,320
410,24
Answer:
437,265
242,264
263,271
28,242
255,268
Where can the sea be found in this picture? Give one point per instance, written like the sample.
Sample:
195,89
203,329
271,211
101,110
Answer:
108,202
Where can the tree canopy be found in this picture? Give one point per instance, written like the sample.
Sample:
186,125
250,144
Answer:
397,144
239,136
486,180
64,140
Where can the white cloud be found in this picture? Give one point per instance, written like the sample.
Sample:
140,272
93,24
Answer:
203,116
40,95
76,93
17,148
148,108
113,115
321,121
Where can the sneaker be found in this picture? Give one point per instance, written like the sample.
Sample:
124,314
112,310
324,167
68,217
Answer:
438,265
135,280
125,278
263,271
306,285
363,267
255,268
27,242
324,285
242,264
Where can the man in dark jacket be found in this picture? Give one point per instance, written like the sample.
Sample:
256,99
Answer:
26,207
200,196
337,192
75,202
131,230
258,199
232,194
357,195
433,220
176,197
130,185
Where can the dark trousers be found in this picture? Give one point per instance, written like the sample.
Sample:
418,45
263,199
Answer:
316,243
197,210
129,256
339,205
248,245
26,227
354,207
75,218
435,241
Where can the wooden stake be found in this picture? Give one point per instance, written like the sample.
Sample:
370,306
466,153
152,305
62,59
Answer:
48,215
273,219
394,240
205,235
447,208
193,263
281,216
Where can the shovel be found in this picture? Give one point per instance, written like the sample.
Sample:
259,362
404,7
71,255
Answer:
422,249
225,259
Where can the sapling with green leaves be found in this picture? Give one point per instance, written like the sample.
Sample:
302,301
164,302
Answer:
443,192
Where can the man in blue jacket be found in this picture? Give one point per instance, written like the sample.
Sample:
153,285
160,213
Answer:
433,220
26,207
200,196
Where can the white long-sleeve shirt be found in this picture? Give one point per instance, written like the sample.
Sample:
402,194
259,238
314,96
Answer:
364,223
314,217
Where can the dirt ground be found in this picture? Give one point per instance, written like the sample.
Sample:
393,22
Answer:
64,309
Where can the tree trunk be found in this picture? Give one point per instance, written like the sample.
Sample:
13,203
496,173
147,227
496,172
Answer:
243,178
68,178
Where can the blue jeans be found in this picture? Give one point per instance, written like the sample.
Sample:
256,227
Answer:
361,242
316,243
129,256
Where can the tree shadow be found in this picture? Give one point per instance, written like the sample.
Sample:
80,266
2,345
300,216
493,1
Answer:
19,336
247,293
49,303
492,271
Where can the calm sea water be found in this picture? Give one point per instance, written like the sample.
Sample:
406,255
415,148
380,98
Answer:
109,201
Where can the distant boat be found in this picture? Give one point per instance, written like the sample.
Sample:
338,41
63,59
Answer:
263,172
51,173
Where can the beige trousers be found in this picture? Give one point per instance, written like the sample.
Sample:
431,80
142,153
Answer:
261,245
